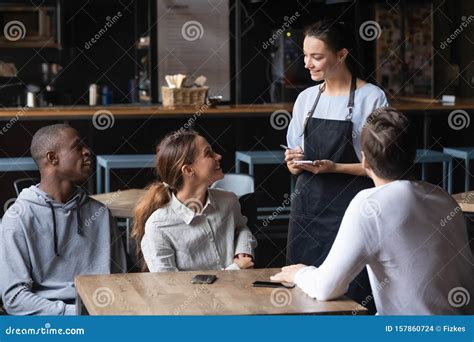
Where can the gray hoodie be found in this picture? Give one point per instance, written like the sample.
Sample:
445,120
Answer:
44,244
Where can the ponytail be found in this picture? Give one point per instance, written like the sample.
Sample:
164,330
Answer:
174,151
156,196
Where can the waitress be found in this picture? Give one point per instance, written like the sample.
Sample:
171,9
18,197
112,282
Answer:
325,129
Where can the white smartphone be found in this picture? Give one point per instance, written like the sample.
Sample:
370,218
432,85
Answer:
302,162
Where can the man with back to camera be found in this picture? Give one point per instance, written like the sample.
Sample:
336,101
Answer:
55,231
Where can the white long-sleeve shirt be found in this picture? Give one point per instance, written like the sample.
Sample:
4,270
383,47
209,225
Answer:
412,237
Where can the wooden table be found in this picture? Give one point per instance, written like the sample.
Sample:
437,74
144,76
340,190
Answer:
122,204
465,201
172,293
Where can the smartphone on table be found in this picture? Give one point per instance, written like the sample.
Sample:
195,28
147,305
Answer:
203,279
260,283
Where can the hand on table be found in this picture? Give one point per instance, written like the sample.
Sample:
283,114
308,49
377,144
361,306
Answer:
287,273
244,261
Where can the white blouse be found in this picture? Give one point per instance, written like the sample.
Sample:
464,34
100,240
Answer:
178,239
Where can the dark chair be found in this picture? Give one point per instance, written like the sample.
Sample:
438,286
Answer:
23,183
248,205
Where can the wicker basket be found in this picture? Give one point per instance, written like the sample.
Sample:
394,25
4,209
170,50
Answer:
183,96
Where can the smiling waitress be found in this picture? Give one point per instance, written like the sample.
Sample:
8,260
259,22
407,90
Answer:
325,128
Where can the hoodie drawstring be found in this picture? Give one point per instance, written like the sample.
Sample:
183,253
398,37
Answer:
55,234
79,222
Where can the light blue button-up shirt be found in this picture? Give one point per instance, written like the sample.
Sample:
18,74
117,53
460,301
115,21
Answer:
178,239
367,98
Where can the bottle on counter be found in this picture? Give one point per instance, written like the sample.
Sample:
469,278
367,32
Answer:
93,94
106,96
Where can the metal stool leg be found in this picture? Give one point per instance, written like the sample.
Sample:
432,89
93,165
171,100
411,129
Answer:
423,171
128,225
445,176
467,174
107,179
450,176
98,179
237,165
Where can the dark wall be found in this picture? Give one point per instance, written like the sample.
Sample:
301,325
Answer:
110,61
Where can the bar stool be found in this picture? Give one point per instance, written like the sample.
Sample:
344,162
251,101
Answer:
120,161
258,158
428,156
466,153
252,158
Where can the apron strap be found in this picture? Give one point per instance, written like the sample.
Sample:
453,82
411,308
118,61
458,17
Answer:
311,111
350,103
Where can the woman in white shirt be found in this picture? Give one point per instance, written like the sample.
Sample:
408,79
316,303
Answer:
411,235
325,129
181,224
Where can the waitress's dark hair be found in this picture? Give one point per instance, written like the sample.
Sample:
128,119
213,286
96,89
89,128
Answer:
337,36
388,144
